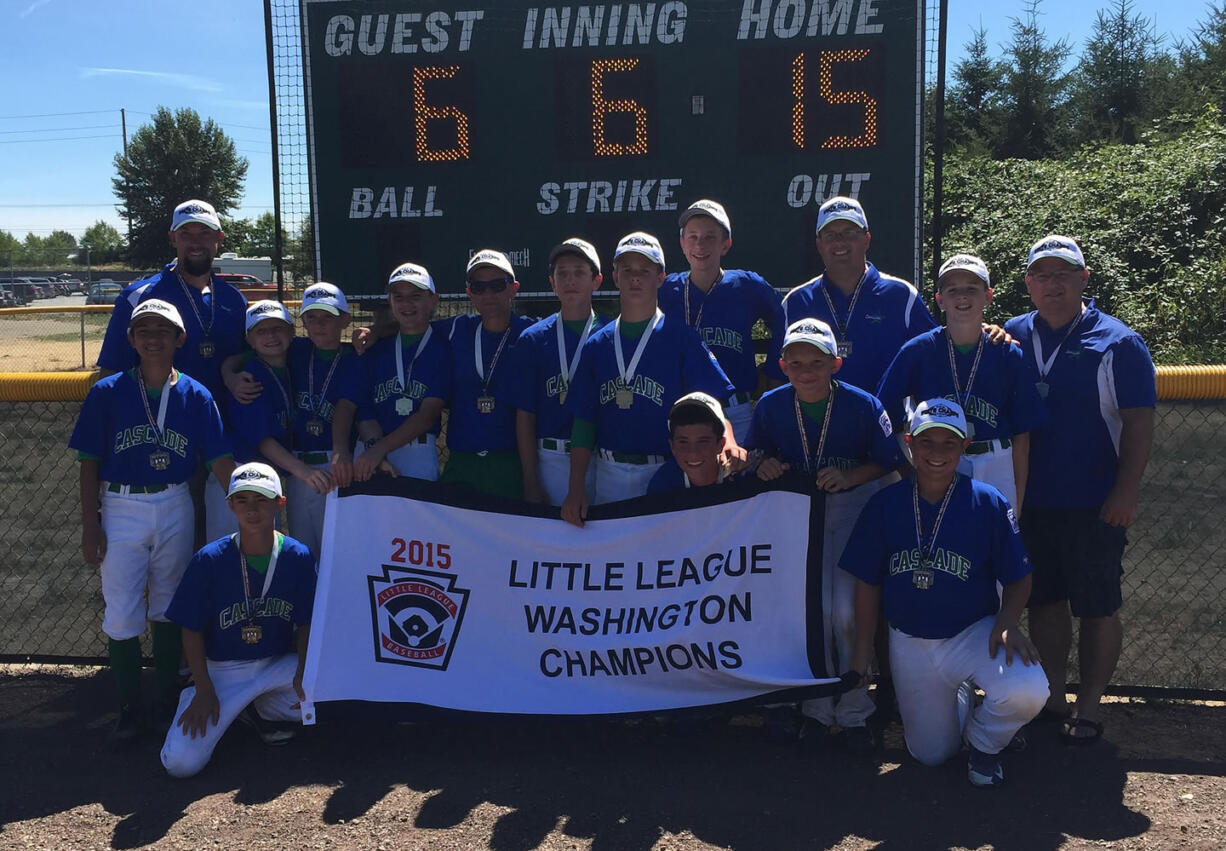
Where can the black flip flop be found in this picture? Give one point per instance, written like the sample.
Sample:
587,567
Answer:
1071,724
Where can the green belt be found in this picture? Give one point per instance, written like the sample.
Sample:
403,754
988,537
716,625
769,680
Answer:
314,457
116,487
738,399
981,447
555,444
633,458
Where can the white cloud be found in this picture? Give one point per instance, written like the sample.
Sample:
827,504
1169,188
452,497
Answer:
185,81
35,5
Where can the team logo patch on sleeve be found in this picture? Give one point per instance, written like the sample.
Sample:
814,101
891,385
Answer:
1012,521
884,421
416,616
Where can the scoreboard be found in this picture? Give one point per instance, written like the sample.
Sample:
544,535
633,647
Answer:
437,129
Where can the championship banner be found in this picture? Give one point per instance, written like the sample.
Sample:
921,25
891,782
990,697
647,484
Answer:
429,597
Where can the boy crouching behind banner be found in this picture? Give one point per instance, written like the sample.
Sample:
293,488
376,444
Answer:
696,428
245,606
935,548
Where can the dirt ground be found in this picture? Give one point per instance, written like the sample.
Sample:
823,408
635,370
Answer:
1158,781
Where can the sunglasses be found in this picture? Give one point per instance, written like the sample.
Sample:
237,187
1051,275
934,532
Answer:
495,286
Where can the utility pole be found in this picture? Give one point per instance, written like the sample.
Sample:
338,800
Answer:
127,200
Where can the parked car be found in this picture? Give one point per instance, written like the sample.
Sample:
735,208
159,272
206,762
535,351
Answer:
103,292
7,299
246,282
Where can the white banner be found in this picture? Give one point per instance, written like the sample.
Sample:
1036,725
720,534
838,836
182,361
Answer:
423,601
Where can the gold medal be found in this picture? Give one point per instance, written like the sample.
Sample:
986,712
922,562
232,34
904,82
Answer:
624,398
404,406
562,397
252,633
485,404
207,349
922,577
315,427
844,348
1043,387
159,460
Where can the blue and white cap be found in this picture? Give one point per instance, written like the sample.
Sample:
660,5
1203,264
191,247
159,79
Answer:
324,296
641,243
257,478
267,309
966,263
157,307
195,211
704,402
711,209
841,208
413,274
489,257
1054,245
578,246
815,333
939,413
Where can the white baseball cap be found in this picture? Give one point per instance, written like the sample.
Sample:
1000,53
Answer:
195,211
324,296
489,257
641,243
699,401
257,478
575,245
157,307
1054,245
267,309
968,263
711,209
413,274
939,413
841,208
815,332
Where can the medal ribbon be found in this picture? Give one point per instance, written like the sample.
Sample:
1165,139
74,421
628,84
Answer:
316,407
851,307
812,466
1046,365
953,367
289,411
160,423
272,568
485,380
568,371
400,374
926,555
685,294
187,291
627,373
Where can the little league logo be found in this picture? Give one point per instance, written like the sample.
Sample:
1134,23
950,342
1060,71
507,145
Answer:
416,616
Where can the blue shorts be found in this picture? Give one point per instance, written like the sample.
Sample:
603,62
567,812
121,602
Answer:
1076,557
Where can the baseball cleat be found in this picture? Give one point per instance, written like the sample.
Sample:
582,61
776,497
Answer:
984,769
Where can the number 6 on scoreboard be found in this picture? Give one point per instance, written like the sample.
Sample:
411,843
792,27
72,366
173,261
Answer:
423,113
601,146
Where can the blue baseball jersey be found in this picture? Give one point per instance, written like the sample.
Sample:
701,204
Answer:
725,316
1002,400
428,378
267,416
534,380
316,400
115,428
976,546
670,477
228,326
469,430
210,599
674,362
1102,368
888,312
859,432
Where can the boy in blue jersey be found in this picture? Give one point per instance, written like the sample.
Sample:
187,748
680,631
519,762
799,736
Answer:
244,607
541,367
481,431
841,435
933,549
959,362
872,313
407,378
695,436
327,377
140,436
631,372
722,304
1086,464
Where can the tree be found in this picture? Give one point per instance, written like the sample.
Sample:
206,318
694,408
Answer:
973,110
10,250
302,249
1202,63
104,242
261,242
172,159
1117,82
1034,91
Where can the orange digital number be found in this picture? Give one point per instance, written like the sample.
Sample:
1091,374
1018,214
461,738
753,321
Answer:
828,59
601,146
425,113
423,553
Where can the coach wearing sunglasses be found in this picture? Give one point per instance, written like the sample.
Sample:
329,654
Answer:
481,431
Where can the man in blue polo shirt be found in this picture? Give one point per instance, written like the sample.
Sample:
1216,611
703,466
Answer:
1097,378
722,305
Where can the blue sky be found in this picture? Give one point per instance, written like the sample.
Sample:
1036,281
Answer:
69,66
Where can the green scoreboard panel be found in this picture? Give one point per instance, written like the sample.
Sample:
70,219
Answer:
439,129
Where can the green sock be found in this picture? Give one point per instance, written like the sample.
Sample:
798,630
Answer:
125,665
167,651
